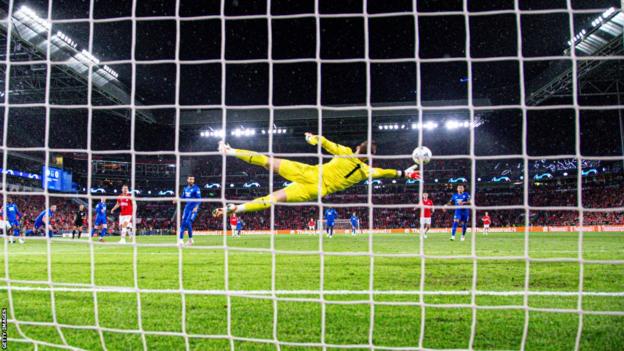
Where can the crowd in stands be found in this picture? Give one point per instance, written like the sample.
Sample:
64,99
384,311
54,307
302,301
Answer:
395,205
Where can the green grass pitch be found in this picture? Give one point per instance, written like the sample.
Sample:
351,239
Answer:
347,313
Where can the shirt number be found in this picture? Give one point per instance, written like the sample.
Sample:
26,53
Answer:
358,166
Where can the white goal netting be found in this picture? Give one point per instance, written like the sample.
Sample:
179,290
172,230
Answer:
389,288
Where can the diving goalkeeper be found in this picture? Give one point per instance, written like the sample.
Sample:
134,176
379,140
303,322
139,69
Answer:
346,169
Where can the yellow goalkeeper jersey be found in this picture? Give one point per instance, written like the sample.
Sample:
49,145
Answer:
346,170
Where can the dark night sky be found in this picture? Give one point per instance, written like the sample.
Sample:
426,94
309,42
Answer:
342,83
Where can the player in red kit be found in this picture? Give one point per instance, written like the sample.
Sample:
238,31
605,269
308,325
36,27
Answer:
486,223
126,206
425,214
311,224
233,222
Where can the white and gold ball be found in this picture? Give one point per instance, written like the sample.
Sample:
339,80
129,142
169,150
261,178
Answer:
421,155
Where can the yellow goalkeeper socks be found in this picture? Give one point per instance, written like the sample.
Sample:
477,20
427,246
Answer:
259,204
252,157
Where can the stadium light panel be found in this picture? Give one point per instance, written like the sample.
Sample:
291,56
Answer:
66,39
608,12
90,57
452,125
430,125
41,26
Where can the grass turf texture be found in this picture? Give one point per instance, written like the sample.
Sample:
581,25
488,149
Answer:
346,322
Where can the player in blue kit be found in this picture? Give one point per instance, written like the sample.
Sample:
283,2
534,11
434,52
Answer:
355,223
462,214
239,226
330,217
99,222
12,215
191,191
43,221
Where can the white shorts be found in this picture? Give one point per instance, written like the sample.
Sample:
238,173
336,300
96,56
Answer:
425,220
311,227
5,225
486,226
124,219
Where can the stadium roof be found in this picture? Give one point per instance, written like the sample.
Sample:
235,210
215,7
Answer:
603,39
31,30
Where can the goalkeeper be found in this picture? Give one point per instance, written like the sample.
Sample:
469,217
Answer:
346,169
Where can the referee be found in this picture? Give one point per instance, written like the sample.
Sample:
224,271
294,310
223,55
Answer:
81,214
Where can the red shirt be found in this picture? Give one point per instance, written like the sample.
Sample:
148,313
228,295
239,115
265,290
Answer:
233,221
486,220
426,211
311,223
125,204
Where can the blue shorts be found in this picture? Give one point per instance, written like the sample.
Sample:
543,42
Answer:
330,224
14,223
354,225
38,224
462,215
100,221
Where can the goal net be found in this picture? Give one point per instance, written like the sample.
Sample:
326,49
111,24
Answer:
520,103
340,225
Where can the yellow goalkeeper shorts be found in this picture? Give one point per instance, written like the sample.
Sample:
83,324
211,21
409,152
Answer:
305,181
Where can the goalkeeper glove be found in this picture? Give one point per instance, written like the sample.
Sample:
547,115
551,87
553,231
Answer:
311,138
412,173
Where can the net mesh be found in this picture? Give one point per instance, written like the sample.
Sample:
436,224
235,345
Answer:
323,297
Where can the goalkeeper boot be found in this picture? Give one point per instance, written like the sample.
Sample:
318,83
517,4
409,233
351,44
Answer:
122,241
452,238
226,149
21,241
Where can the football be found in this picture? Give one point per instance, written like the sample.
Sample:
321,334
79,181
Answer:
421,155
